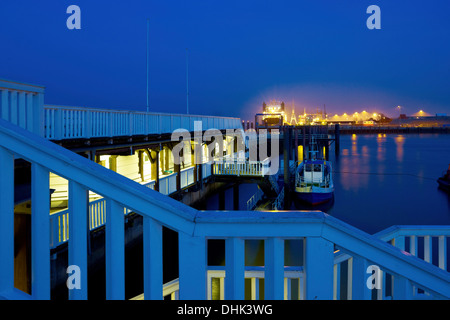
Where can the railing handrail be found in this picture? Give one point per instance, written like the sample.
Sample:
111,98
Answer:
96,177
412,230
126,111
318,224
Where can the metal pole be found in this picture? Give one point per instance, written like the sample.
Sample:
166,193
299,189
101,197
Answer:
187,81
148,28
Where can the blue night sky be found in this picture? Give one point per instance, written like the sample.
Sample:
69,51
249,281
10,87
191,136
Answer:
241,53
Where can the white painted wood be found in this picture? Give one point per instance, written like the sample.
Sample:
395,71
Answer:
428,250
413,245
235,269
115,251
192,267
4,104
402,288
40,235
254,283
22,110
336,281
319,229
274,269
6,220
78,231
30,113
13,107
153,260
399,242
360,291
318,268
442,252
381,292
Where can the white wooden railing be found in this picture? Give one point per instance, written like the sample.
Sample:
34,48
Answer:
321,235
433,239
22,104
253,201
242,167
97,209
63,122
407,239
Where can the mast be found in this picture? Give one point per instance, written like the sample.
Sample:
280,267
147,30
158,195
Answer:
187,81
148,28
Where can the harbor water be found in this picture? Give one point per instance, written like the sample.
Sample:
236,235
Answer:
380,180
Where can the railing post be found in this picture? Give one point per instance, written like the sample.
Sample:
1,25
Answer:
22,109
6,220
88,124
413,245
192,267
153,268
40,232
31,113
59,124
115,251
4,104
359,288
402,288
427,247
13,107
78,233
274,269
399,242
442,252
38,114
235,269
318,264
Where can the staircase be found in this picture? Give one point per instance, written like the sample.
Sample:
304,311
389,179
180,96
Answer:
323,237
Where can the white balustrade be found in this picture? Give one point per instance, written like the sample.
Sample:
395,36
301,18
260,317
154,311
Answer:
240,167
22,104
321,235
63,122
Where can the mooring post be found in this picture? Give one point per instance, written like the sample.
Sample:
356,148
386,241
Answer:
286,157
296,156
336,138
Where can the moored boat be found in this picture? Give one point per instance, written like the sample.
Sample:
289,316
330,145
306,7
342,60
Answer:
314,182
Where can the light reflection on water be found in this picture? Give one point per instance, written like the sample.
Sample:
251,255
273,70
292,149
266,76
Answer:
391,179
381,180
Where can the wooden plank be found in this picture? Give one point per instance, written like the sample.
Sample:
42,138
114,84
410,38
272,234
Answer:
115,251
235,269
40,232
192,266
153,263
274,269
318,268
6,220
78,233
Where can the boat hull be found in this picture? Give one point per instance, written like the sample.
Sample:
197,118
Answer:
444,184
314,198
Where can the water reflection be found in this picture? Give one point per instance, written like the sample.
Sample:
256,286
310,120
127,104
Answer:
381,147
399,141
